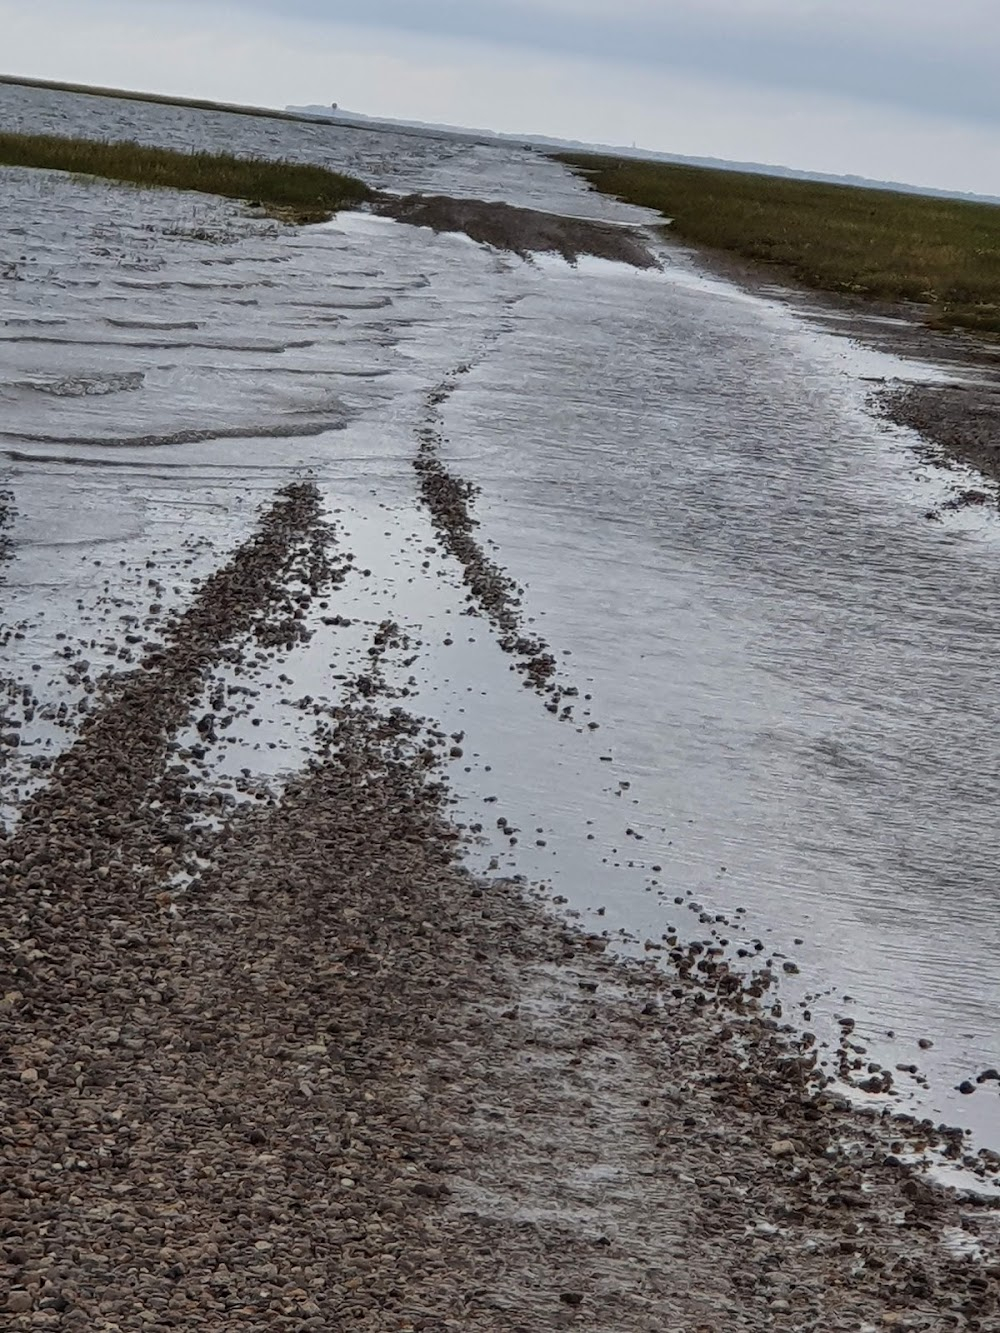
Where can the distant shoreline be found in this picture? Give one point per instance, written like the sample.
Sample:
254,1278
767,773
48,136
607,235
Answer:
548,144
164,99
961,420
312,115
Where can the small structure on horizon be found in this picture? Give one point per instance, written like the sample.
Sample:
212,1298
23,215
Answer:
333,106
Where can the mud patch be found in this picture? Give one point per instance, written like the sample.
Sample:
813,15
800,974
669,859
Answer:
961,419
83,386
524,231
277,431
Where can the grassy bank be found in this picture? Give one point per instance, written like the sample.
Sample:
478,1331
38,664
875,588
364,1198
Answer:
287,189
870,243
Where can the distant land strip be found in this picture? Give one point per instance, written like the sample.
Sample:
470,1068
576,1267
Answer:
164,99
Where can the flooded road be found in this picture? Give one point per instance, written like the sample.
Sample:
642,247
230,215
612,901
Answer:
789,668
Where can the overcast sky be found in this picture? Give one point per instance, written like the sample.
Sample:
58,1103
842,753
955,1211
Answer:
893,89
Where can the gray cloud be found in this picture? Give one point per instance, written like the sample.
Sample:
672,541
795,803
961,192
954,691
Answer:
923,56
891,89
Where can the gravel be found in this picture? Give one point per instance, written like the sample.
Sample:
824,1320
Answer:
449,499
962,421
297,1069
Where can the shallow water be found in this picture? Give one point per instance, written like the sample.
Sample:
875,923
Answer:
791,668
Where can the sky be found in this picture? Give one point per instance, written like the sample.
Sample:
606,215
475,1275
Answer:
902,90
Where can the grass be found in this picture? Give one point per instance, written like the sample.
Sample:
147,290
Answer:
877,244
288,190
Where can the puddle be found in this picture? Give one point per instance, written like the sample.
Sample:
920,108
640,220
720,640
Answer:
785,720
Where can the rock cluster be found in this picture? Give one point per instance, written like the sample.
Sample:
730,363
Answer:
492,591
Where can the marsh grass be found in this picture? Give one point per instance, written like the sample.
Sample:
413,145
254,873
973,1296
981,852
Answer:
877,244
289,190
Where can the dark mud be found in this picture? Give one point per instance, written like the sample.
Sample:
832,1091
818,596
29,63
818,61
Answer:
523,231
963,420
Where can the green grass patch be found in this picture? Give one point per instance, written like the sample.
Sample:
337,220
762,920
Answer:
878,244
289,190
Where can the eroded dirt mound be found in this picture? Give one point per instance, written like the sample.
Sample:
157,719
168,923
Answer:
521,230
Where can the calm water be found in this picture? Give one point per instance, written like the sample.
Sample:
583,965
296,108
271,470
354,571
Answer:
792,671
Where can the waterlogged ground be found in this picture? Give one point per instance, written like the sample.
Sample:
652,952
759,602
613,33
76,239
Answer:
789,667
387,161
